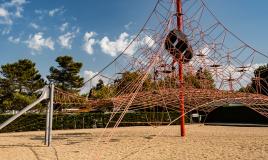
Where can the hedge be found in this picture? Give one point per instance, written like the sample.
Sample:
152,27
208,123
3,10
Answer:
35,122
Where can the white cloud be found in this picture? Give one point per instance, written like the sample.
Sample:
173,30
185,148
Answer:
87,76
18,4
38,11
148,41
117,46
19,11
11,10
5,16
127,26
56,11
66,40
37,42
14,3
53,12
19,8
14,40
77,29
6,31
64,26
6,21
34,25
122,43
3,12
89,42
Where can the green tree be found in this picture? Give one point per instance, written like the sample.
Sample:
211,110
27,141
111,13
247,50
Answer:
21,76
17,101
66,75
101,90
260,82
18,82
248,89
202,79
100,84
130,79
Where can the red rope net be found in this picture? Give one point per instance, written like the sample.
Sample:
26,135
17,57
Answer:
221,66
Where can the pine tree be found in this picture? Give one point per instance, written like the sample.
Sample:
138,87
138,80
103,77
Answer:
21,76
18,82
66,75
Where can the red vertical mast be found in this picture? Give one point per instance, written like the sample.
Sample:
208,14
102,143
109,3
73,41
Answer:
181,83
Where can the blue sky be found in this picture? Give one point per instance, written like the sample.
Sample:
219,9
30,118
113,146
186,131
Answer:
42,30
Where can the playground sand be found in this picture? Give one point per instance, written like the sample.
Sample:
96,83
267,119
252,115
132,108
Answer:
140,143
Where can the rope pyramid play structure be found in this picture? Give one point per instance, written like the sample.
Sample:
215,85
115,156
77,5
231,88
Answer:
220,61
183,59
200,67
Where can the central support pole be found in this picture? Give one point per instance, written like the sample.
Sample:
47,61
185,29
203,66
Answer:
51,113
49,120
181,83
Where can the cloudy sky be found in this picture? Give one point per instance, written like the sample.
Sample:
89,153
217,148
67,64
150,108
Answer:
95,31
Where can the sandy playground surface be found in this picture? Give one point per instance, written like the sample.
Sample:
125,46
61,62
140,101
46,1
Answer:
140,143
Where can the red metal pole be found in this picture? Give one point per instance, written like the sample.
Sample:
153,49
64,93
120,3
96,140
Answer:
181,83
179,16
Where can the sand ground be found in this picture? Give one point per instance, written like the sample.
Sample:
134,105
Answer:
140,143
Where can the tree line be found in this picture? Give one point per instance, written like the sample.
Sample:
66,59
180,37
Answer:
20,80
125,84
259,83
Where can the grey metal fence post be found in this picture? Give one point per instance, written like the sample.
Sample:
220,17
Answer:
50,113
83,121
47,123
